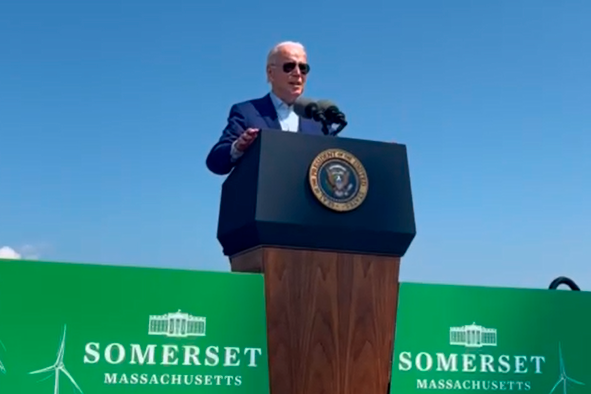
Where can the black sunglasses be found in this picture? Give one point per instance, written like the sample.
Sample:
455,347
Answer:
290,66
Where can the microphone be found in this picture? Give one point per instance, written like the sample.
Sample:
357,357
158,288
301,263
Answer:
324,111
308,109
333,115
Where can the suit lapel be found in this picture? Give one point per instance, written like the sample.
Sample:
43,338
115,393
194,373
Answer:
302,125
272,121
308,126
268,113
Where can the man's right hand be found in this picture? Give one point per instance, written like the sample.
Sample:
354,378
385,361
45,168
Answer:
246,139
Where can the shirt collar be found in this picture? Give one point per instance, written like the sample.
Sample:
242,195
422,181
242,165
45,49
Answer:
279,104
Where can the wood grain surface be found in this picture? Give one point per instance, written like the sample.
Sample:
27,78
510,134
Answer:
330,319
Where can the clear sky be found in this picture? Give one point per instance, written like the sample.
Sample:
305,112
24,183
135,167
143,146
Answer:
108,109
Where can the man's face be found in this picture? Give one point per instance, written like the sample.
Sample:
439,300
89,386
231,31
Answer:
289,72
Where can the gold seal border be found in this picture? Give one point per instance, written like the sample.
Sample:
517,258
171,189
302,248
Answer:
330,154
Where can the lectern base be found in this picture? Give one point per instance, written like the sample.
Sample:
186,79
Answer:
330,319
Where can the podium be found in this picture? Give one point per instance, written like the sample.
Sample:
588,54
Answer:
326,220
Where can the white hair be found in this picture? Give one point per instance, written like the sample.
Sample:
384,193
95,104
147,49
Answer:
275,50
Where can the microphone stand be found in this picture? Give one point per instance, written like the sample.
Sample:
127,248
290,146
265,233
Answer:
325,125
342,125
336,118
327,119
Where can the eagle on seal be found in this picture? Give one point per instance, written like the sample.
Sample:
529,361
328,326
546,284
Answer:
338,179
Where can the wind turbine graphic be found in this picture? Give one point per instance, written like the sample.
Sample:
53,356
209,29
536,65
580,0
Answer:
2,368
59,367
563,376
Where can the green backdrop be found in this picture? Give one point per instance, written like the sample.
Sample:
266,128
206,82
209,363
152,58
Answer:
104,329
130,330
475,339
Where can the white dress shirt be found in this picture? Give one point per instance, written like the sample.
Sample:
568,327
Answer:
288,119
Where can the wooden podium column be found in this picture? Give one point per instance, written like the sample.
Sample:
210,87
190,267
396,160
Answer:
330,318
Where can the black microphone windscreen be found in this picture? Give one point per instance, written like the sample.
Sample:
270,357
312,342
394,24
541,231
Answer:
323,105
302,107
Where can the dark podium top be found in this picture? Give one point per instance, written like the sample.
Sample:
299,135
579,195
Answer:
267,199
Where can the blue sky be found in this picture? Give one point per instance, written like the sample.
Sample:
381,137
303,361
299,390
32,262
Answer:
108,109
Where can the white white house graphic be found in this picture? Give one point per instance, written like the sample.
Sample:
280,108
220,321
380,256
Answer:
563,377
472,336
59,367
177,325
2,368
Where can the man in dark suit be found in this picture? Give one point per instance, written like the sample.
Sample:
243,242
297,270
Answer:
287,72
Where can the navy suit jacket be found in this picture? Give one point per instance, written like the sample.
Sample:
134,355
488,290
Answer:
259,114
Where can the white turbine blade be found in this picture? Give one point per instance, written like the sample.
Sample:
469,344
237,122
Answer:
2,368
556,385
52,368
560,358
60,353
45,378
574,381
64,370
56,384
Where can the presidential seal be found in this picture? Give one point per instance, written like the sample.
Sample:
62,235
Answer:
338,180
